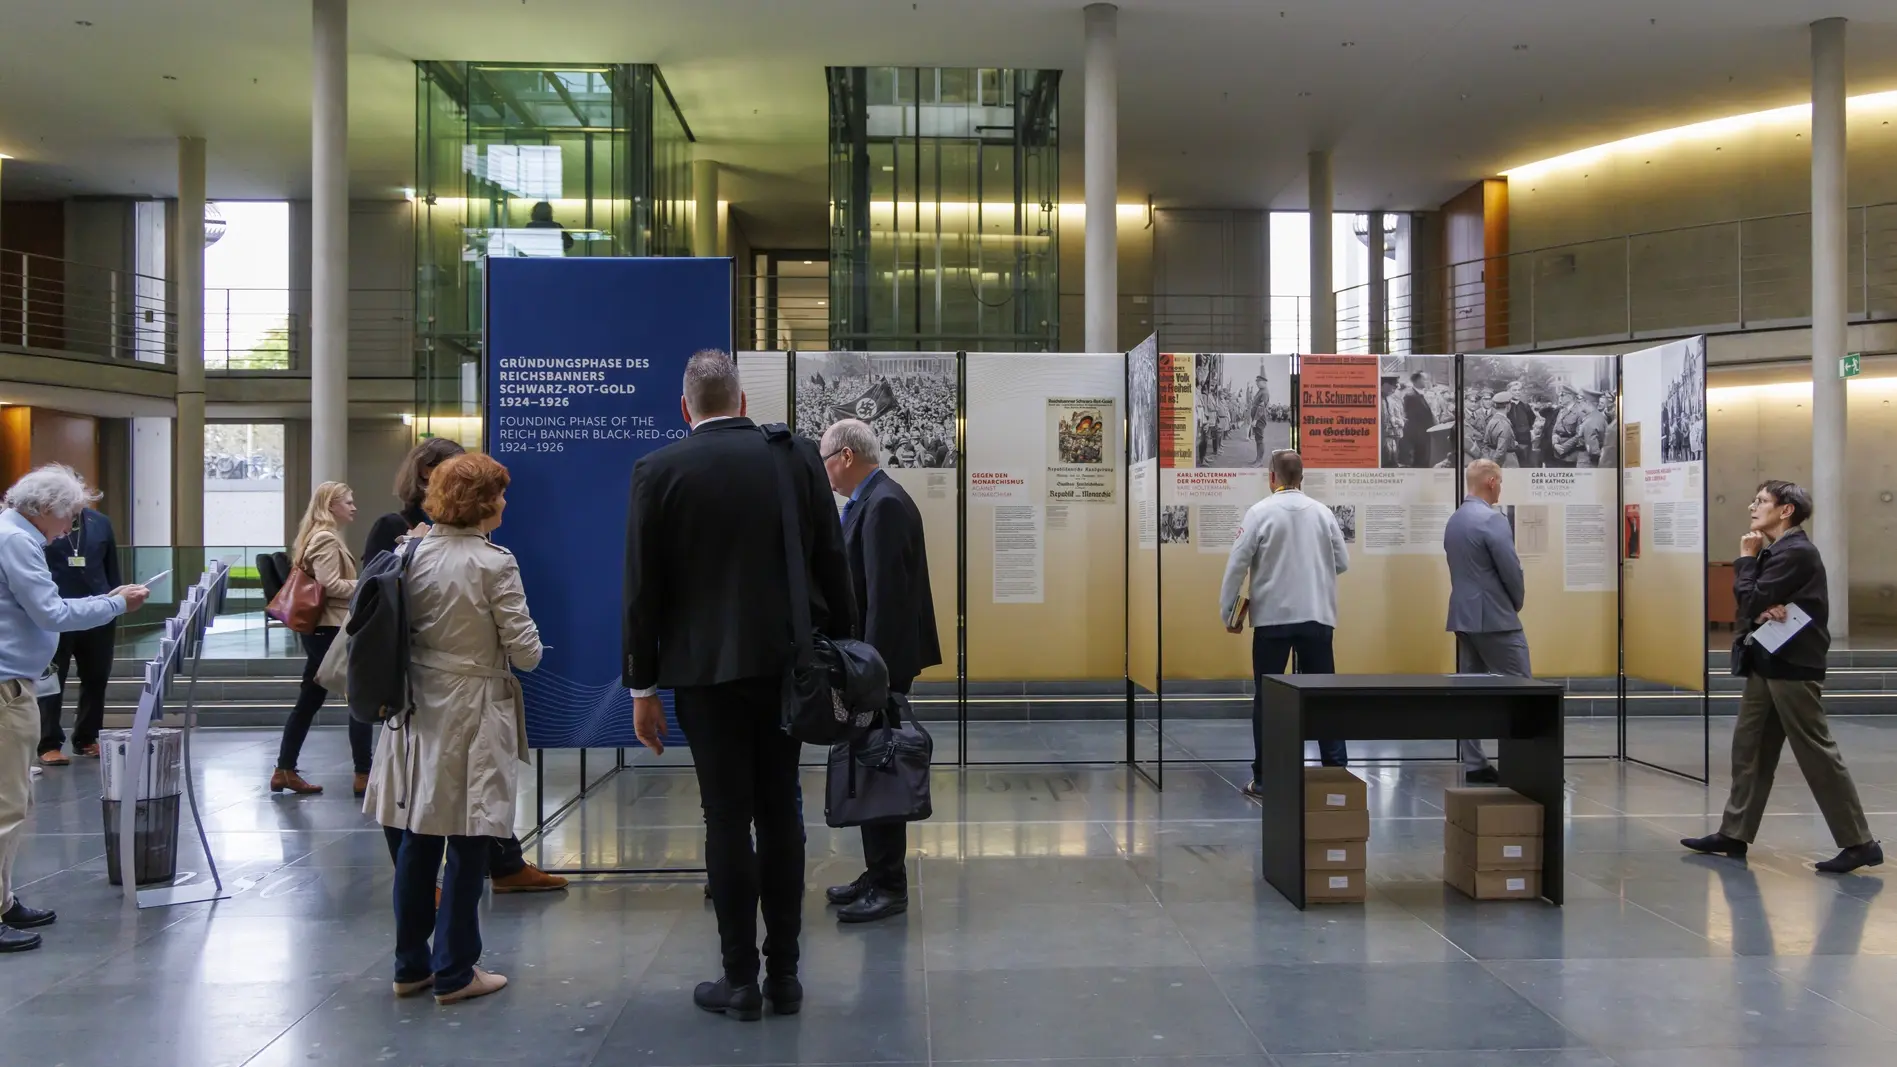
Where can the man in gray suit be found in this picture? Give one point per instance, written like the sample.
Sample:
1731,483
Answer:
1485,594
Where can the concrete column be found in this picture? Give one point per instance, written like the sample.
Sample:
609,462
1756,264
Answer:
329,243
1829,271
705,208
187,472
1101,174
1377,312
1323,296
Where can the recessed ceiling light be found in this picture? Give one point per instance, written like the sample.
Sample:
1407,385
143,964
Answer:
1304,92
1521,48
80,22
169,77
808,262
1350,44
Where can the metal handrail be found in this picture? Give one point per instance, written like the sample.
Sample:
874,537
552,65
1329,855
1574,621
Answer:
60,305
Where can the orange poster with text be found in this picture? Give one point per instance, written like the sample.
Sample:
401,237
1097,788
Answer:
1175,411
1337,411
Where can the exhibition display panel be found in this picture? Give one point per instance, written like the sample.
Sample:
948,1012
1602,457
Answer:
1080,510
1663,571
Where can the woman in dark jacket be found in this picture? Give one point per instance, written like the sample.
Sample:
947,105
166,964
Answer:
1778,569
507,867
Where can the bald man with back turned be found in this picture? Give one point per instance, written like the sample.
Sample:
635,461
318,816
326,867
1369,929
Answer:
1486,592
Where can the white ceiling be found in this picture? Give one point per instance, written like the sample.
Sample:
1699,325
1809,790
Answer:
1219,99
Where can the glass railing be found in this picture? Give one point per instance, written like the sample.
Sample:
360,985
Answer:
240,632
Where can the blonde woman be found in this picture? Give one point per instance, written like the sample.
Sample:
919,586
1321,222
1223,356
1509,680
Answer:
446,780
319,547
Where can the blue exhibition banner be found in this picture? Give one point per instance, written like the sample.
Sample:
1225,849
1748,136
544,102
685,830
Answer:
585,357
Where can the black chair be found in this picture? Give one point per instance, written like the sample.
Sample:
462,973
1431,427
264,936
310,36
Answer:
273,569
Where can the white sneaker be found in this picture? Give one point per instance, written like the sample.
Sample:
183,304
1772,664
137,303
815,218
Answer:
483,984
34,773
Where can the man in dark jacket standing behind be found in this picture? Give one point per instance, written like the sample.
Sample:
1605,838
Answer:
889,570
85,562
1778,567
707,617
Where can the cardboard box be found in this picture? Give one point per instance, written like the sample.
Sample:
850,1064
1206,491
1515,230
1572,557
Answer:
1334,887
1491,853
1321,825
1485,885
1334,789
1486,811
1334,855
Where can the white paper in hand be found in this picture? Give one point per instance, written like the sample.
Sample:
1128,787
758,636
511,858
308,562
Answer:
1773,634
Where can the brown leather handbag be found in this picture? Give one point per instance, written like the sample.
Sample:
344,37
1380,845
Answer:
299,604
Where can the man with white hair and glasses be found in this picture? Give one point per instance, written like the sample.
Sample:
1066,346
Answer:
39,507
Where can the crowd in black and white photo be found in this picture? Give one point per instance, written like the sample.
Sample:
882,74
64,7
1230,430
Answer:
1142,408
1540,413
1241,409
909,401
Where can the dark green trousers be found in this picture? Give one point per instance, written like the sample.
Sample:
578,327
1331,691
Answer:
1771,713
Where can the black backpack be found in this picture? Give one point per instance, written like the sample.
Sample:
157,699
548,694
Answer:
378,630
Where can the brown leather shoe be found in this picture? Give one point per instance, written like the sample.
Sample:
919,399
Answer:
88,751
362,785
529,879
54,758
282,779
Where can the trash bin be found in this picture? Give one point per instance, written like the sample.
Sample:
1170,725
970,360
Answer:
155,822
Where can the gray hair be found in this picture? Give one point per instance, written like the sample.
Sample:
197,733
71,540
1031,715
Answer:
53,491
711,384
855,435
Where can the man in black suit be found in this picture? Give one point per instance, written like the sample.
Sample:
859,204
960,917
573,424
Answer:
1779,568
889,570
706,616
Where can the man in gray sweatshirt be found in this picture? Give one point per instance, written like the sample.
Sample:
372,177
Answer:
1293,551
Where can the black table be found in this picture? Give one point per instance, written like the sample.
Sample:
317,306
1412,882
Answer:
1294,708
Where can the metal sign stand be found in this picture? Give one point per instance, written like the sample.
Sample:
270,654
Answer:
184,638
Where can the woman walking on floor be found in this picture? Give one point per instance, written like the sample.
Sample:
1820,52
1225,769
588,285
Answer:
319,549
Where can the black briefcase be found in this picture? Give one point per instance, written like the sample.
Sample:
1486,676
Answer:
881,776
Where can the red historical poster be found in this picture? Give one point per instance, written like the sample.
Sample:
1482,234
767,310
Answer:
1175,410
1337,412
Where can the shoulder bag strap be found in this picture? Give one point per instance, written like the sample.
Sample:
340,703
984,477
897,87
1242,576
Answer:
784,452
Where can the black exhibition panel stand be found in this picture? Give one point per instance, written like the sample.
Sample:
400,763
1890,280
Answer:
1524,714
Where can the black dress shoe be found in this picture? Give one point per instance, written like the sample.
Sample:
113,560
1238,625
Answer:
1870,854
1483,776
1716,844
785,993
876,903
12,940
847,894
21,917
742,1002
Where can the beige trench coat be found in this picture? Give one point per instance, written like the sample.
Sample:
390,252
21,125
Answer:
453,770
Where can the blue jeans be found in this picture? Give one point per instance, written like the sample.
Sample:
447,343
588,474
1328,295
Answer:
455,926
1271,649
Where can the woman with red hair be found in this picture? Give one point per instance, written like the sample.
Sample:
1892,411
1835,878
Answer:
446,778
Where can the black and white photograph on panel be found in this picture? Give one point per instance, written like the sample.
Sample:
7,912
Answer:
1539,412
1346,521
909,400
1419,411
1142,406
1683,415
1175,524
1241,409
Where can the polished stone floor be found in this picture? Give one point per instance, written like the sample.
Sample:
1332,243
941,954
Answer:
1060,913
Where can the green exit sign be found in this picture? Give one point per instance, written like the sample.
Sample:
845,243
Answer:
1850,366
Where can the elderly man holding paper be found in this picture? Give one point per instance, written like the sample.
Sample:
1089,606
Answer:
39,507
1783,608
